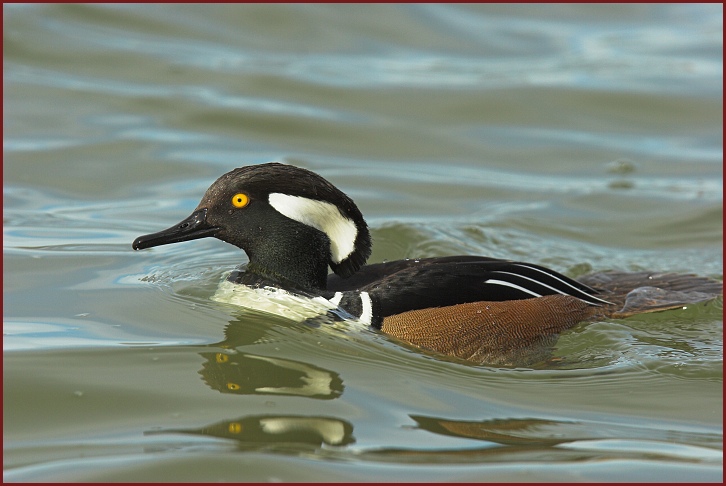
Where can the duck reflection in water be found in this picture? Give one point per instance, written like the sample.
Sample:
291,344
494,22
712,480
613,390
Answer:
228,370
280,430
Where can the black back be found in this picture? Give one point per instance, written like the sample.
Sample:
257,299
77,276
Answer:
404,285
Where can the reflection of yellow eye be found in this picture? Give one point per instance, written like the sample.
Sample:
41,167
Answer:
234,428
240,200
222,358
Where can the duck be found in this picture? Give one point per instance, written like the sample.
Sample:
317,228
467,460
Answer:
294,225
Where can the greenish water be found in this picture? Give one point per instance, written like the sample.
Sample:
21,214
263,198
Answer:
581,137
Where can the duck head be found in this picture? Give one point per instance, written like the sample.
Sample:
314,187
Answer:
291,222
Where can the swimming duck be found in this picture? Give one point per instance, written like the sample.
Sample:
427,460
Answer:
293,224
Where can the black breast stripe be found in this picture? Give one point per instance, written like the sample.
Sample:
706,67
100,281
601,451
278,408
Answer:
351,303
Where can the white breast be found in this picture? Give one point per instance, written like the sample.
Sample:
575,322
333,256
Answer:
277,301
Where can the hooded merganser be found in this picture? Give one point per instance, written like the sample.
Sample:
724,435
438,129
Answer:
293,224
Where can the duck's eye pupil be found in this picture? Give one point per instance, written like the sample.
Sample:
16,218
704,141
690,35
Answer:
240,200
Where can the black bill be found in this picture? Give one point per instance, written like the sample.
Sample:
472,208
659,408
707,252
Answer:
192,228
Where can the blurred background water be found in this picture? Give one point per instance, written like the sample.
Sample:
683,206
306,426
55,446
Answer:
581,137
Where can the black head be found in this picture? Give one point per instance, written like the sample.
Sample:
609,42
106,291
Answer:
291,222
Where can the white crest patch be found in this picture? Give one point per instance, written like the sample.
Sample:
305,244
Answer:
320,215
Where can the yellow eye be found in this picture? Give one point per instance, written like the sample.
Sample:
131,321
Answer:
240,200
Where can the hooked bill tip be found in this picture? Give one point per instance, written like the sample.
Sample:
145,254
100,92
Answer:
138,243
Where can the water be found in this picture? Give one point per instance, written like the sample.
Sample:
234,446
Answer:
581,137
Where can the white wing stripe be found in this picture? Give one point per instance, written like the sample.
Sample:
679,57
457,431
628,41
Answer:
535,281
550,275
577,291
509,284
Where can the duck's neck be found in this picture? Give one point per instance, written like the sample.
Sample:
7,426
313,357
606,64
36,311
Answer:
301,263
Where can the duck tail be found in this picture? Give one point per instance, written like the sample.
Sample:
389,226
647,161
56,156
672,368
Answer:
640,292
